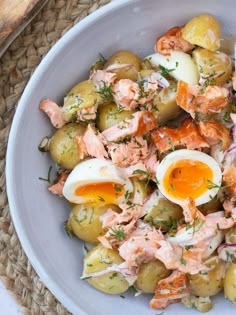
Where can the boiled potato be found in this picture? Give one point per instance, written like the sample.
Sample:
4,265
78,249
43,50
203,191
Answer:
178,65
204,31
100,258
146,65
215,68
83,95
123,57
230,282
141,189
63,147
230,236
84,221
149,274
109,115
165,106
208,283
144,73
203,304
212,206
164,214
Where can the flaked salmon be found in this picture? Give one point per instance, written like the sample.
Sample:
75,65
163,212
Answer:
170,290
87,114
57,188
126,94
129,152
141,245
93,144
187,135
53,111
102,78
209,100
172,40
119,225
214,132
141,123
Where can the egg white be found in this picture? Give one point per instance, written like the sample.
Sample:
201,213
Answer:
181,64
95,171
194,155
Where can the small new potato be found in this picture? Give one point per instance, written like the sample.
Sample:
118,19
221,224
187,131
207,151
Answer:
63,147
230,236
215,68
125,57
98,259
84,221
203,30
208,283
83,95
230,282
109,115
203,304
149,274
211,206
165,106
141,189
164,214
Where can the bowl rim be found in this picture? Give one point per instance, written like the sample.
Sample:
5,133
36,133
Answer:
26,243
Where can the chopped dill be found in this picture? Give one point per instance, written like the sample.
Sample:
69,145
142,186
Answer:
114,275
67,229
48,179
171,225
133,290
118,233
127,194
211,185
101,199
196,225
118,188
164,71
91,216
182,260
141,172
106,92
170,143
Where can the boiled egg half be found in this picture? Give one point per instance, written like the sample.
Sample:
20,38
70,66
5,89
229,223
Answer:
189,173
99,181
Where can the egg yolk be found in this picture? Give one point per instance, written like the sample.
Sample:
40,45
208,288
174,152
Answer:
187,178
107,192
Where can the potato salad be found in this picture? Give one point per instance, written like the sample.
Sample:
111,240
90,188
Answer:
146,155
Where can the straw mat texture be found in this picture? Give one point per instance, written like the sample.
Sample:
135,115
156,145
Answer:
16,67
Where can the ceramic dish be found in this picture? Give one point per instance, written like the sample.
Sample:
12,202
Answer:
38,216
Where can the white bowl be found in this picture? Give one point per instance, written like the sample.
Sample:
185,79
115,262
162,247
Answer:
38,215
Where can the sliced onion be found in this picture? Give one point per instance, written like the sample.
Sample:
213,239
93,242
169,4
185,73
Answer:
162,82
230,155
117,66
130,274
217,153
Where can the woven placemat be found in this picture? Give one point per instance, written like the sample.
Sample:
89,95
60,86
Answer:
16,67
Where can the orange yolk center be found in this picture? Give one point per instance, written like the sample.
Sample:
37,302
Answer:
107,192
187,178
